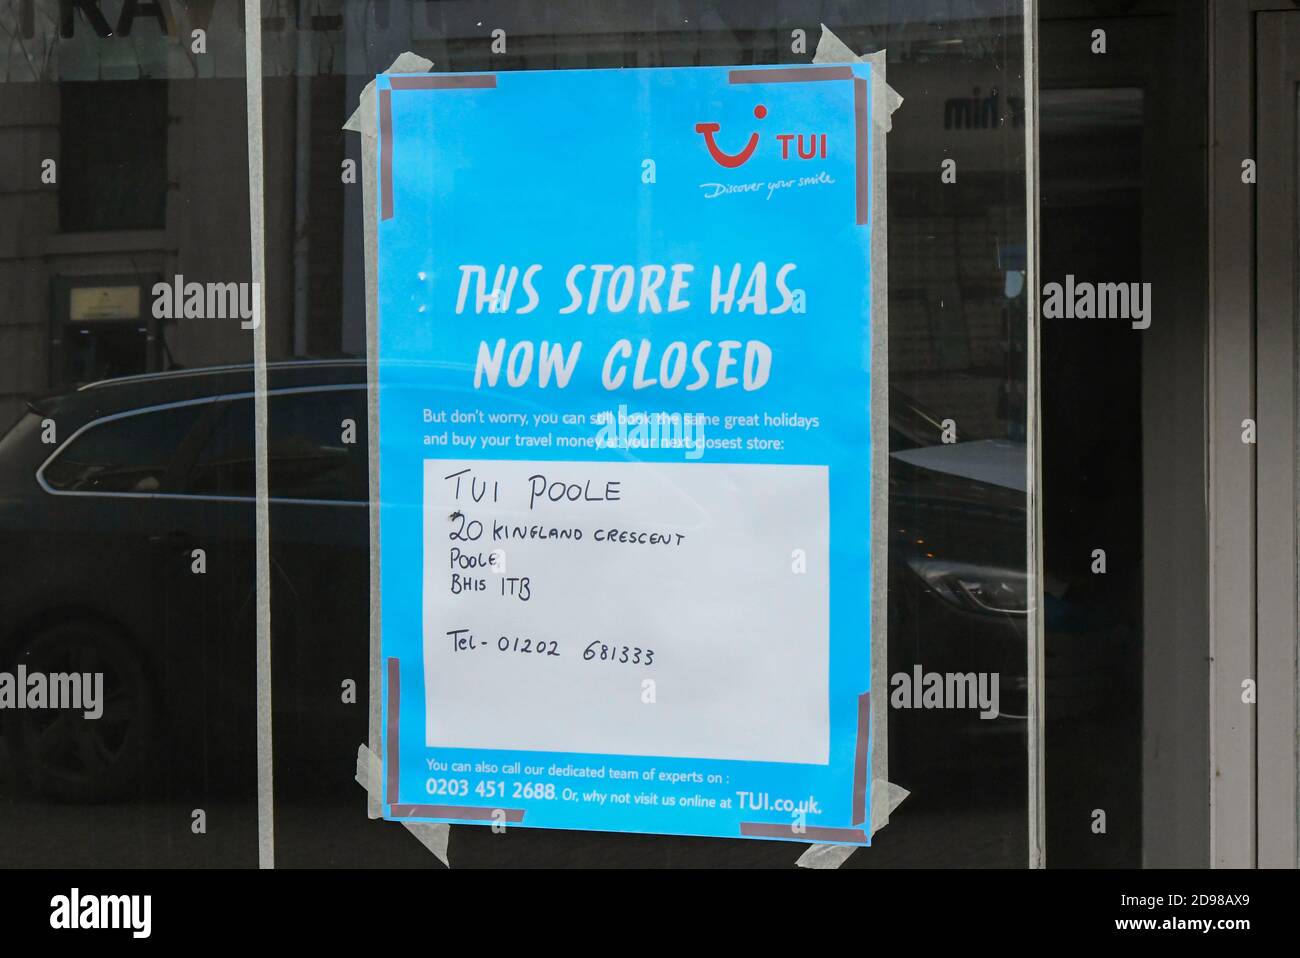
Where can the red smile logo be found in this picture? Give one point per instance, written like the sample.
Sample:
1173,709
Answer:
721,156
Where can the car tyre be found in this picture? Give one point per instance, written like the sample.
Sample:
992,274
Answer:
63,755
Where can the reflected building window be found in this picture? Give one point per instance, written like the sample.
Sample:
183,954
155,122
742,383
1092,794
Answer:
112,156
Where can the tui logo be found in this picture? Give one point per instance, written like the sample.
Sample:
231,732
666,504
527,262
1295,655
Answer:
814,148
721,156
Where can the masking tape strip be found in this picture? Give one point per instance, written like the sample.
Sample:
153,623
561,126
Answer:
788,75
432,835
394,711
257,235
885,797
363,121
782,830
831,49
860,769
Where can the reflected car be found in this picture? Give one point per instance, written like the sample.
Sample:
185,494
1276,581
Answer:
127,546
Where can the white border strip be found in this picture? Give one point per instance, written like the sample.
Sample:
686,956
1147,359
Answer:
1033,478
257,231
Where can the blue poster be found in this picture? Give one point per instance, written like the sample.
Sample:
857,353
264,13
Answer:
624,352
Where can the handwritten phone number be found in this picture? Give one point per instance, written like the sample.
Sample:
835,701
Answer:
464,640
622,654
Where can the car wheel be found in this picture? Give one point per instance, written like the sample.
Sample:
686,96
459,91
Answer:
66,756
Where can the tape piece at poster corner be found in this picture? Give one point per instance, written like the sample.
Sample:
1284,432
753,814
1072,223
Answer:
831,49
432,835
885,797
407,62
